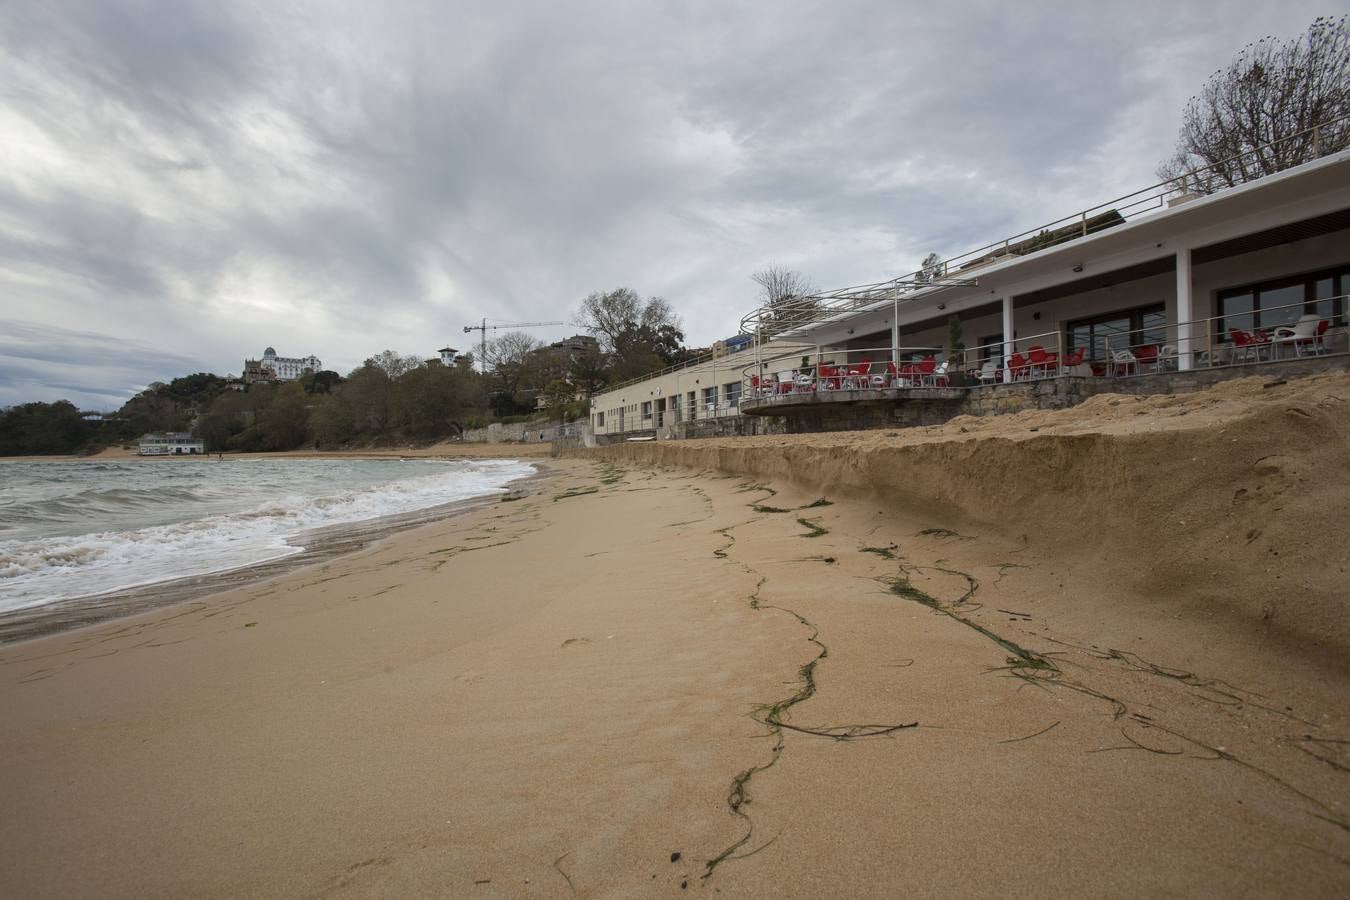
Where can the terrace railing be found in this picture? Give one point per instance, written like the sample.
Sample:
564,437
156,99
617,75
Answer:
1306,328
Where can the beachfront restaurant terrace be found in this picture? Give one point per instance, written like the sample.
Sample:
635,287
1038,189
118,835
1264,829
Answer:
1208,276
1166,280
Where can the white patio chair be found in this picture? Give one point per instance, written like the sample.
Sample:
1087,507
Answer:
1123,361
1302,333
988,373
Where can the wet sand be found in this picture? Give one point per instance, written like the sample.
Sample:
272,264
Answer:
555,696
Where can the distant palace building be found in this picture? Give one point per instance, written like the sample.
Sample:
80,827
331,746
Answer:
279,368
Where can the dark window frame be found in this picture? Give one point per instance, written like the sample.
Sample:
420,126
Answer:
1340,286
1136,316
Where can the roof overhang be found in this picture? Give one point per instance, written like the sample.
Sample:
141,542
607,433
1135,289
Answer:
1215,225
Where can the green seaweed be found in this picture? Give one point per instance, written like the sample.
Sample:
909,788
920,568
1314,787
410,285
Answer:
577,492
1021,657
815,529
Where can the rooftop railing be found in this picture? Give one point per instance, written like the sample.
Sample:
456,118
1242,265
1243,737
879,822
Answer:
783,317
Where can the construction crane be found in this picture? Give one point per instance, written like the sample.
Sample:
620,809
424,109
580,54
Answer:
483,327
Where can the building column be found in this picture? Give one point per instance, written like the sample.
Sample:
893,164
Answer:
1007,338
895,331
1185,311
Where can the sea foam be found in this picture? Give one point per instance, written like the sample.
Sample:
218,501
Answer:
207,536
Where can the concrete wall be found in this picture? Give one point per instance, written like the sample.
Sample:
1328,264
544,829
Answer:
1049,393
519,433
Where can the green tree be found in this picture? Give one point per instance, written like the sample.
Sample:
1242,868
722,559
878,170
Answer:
588,372
283,421
558,395
639,335
43,428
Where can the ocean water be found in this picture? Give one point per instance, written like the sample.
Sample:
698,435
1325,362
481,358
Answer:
77,529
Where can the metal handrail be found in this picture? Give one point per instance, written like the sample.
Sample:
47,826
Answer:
811,309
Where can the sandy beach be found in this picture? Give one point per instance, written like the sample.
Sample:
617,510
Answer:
1094,652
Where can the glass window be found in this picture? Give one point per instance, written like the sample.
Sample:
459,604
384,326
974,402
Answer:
1283,302
1323,291
646,409
1236,311
1153,328
1280,306
732,391
1117,331
991,347
710,397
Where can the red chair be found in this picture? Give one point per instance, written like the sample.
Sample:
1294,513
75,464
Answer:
1045,363
1247,346
1018,367
1074,358
1147,355
926,367
828,377
857,376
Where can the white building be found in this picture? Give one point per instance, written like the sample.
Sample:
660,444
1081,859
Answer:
1158,284
710,387
289,368
448,355
172,443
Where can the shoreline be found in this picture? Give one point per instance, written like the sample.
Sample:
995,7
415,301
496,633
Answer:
743,669
446,449
624,660
334,541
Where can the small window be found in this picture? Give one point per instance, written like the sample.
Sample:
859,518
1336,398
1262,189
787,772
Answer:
732,391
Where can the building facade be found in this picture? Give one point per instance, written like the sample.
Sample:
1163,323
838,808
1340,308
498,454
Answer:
172,443
279,368
711,387
1161,281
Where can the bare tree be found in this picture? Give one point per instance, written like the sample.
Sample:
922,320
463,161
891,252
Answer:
612,315
789,299
508,358
394,363
640,336
1258,116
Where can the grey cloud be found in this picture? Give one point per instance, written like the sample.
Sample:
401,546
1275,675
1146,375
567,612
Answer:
339,178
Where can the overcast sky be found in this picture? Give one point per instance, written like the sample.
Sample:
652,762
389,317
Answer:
183,184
